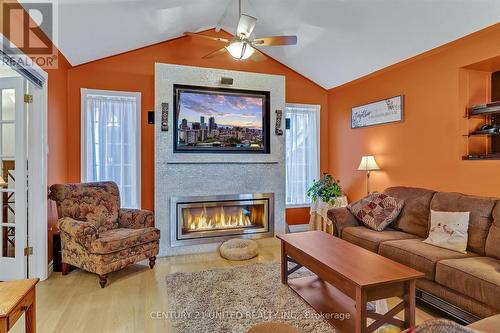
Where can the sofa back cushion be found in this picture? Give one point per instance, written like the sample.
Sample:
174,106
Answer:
96,203
480,217
414,218
493,241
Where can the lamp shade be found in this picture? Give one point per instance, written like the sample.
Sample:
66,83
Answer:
368,163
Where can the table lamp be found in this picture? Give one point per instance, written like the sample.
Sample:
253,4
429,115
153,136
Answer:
368,164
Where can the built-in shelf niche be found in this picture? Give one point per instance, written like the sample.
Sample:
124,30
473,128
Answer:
480,84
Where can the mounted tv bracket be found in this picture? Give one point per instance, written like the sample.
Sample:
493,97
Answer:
277,129
164,117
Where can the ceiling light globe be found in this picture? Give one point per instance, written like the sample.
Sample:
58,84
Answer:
235,49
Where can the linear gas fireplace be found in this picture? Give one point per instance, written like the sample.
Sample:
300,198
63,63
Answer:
208,219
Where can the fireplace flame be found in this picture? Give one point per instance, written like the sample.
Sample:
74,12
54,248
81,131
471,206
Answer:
204,221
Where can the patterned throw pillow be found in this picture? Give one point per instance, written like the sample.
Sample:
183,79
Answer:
377,210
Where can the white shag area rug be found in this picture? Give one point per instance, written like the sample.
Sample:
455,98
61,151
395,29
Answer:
235,299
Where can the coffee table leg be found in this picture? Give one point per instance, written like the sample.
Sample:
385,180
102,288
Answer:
284,264
410,304
360,310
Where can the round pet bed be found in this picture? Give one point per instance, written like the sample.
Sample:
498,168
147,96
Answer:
239,249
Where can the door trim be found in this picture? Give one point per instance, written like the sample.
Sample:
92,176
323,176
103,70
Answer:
37,157
37,183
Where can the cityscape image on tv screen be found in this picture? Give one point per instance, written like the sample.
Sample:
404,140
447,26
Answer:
219,121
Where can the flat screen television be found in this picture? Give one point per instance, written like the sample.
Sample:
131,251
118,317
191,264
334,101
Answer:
221,120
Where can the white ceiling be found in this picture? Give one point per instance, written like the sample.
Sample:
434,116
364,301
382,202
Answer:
338,40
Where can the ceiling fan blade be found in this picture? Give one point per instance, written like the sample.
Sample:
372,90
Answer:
258,56
245,25
217,39
215,53
275,40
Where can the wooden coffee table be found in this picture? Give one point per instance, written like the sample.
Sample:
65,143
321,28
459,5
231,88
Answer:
347,277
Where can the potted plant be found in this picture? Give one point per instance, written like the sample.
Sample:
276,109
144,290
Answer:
328,190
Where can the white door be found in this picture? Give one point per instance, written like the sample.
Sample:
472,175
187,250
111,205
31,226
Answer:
13,189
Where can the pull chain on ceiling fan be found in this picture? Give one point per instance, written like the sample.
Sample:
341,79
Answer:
241,46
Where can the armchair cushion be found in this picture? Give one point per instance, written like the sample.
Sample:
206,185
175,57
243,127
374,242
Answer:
84,233
96,203
119,239
135,218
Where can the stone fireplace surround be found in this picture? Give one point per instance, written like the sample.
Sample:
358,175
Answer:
209,174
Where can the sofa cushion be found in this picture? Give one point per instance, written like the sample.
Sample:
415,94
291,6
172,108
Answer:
371,239
480,209
492,248
478,278
418,255
121,238
377,210
414,218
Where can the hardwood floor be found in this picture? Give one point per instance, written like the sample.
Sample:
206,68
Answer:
76,303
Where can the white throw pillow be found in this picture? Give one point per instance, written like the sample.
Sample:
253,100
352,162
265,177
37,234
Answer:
449,230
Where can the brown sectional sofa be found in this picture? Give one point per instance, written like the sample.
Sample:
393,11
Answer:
466,286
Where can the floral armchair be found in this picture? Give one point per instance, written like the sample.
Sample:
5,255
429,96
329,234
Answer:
99,236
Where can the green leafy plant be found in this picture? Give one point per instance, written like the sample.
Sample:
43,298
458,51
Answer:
326,188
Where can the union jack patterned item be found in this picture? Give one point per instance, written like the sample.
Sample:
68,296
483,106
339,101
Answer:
377,210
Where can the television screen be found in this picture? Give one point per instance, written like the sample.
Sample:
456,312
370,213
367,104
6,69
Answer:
221,120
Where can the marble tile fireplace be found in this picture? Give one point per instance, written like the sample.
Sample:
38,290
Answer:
201,199
208,219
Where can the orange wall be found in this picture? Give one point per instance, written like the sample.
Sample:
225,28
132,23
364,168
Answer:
134,71
425,149
57,136
57,127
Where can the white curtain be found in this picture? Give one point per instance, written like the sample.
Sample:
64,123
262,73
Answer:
302,152
111,144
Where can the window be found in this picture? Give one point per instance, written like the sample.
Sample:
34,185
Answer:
302,152
111,141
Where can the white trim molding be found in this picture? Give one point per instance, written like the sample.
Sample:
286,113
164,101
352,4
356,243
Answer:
317,109
83,153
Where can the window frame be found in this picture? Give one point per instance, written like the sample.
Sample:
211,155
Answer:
84,92
317,110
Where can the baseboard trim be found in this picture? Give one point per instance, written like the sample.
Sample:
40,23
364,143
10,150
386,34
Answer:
291,228
461,316
50,270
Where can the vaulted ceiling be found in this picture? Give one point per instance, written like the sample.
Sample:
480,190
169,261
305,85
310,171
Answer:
338,40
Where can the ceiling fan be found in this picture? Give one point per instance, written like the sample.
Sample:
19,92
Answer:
241,46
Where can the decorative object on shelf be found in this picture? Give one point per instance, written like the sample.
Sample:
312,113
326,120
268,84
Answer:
380,112
164,117
278,130
326,193
368,164
479,109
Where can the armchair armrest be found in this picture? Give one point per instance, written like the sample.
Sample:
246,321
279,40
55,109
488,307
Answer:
342,218
135,218
84,233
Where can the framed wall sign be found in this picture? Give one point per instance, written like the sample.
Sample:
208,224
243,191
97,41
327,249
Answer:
380,112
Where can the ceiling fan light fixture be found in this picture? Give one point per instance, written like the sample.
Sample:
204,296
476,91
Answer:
240,50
